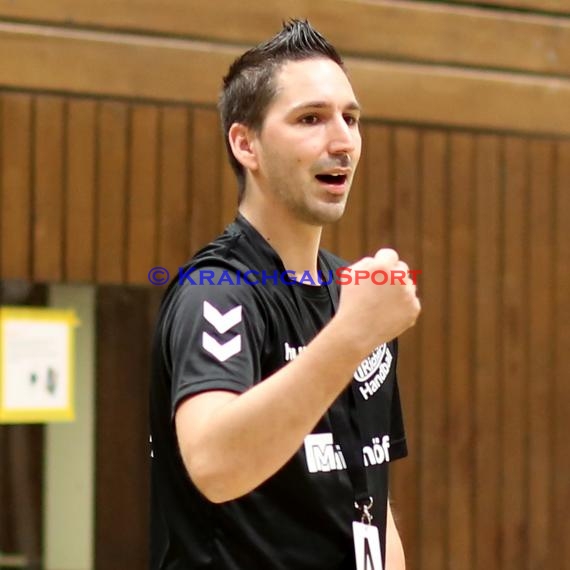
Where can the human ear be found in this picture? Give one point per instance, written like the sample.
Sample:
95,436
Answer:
241,139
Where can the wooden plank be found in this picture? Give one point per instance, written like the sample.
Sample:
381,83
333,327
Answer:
173,248
80,191
487,374
554,6
384,91
24,465
2,143
514,402
433,287
460,350
205,178
85,62
110,254
6,493
406,201
15,199
541,371
48,198
379,206
420,31
190,71
122,474
561,489
21,473
143,194
406,204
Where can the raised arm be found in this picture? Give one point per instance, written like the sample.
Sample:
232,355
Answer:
232,443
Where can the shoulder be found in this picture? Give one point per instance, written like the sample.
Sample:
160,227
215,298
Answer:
211,289
215,270
217,313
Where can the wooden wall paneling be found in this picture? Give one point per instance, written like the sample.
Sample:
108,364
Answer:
406,158
189,71
2,138
444,33
350,245
21,471
6,494
173,194
442,95
554,6
421,31
561,406
25,463
460,350
79,214
514,325
111,192
488,208
406,239
122,451
540,369
21,461
6,512
433,289
15,178
379,196
48,195
86,62
205,178
143,199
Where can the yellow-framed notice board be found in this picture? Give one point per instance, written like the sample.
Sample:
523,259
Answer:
36,365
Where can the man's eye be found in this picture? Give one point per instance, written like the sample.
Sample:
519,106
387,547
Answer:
351,120
310,119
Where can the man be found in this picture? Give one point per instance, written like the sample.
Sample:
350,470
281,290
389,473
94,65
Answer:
274,402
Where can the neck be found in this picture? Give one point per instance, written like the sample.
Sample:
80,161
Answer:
296,243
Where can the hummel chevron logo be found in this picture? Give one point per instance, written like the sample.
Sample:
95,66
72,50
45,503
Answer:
221,351
222,323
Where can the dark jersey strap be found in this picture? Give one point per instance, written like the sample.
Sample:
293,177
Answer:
346,432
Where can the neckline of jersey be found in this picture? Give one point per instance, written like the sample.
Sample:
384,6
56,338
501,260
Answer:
307,290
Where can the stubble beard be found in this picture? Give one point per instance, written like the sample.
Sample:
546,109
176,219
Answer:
321,214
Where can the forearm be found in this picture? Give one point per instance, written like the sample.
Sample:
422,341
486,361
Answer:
249,437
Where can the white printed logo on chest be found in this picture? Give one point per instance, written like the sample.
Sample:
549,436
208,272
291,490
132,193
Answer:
291,352
373,371
324,455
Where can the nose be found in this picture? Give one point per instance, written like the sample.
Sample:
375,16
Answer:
343,138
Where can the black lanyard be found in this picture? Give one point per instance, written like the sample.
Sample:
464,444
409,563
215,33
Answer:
346,431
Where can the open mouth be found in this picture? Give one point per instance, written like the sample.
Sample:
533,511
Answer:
334,179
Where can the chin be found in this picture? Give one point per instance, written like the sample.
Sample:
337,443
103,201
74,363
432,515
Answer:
325,216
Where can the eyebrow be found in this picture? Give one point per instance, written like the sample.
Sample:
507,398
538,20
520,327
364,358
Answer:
352,106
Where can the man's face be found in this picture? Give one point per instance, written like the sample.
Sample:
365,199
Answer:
309,144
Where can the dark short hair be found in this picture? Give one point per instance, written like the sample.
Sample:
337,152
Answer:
249,86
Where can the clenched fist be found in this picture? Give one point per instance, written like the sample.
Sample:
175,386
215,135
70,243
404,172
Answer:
378,302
